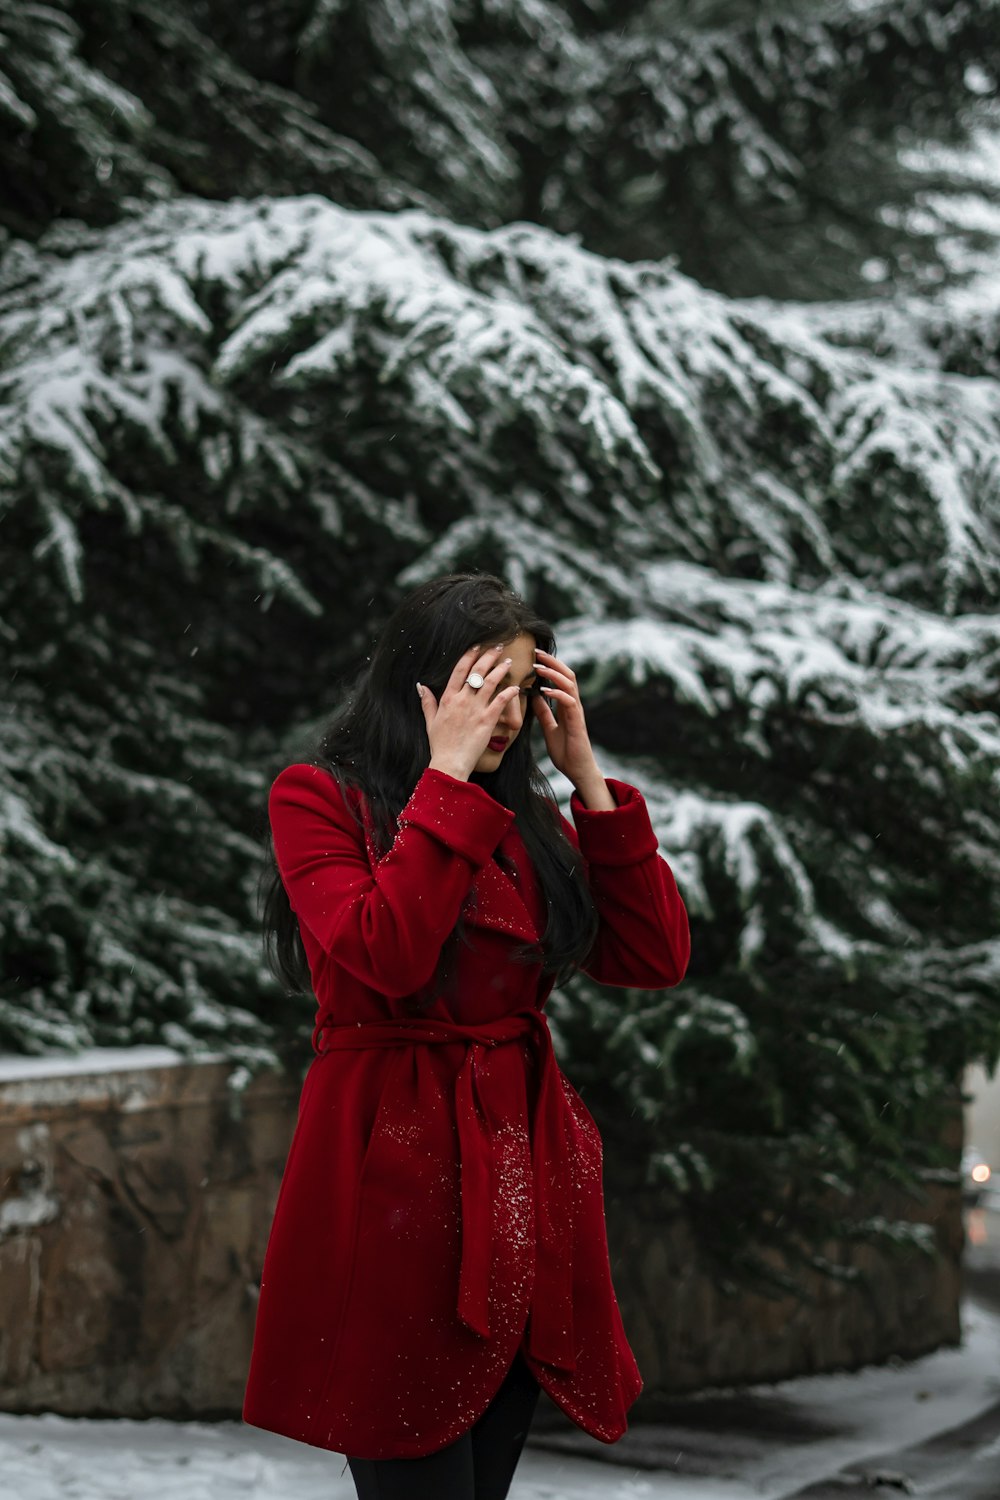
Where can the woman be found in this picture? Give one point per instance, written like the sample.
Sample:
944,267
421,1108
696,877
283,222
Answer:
438,1252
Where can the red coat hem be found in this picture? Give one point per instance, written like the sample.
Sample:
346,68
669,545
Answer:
417,1449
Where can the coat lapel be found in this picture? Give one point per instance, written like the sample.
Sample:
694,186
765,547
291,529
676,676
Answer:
495,898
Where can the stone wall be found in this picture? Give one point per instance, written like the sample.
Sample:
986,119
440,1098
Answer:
134,1209
687,1334
135,1203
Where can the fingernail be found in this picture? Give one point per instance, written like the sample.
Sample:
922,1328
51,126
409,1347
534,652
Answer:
420,689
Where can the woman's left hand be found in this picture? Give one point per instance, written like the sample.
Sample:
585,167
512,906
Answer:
566,740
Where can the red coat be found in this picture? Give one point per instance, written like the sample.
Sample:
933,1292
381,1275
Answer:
442,1200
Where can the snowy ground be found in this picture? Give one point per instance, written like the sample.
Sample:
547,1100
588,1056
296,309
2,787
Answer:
765,1441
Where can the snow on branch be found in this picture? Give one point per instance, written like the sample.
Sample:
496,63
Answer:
716,431
749,654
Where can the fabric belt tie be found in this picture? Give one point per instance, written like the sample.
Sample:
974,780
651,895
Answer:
550,1336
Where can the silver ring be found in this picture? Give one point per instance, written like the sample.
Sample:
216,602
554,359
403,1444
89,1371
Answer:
474,680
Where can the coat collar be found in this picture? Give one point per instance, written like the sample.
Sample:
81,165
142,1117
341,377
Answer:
498,901
495,899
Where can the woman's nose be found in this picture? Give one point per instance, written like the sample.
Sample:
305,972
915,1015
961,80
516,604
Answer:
513,715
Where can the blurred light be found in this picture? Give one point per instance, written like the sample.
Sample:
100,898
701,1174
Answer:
975,1230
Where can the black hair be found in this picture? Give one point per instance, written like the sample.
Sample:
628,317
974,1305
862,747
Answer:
377,745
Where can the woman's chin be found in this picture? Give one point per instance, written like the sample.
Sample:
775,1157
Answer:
489,760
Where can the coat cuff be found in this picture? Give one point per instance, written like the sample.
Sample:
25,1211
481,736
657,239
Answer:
621,835
461,814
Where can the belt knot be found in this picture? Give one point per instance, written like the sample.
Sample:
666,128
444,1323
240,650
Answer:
550,1334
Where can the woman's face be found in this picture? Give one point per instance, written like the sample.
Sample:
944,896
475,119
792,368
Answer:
521,671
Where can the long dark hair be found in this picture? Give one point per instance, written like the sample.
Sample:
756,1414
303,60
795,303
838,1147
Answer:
376,745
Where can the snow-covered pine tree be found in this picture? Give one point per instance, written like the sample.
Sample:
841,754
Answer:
780,147
772,146
231,432
107,104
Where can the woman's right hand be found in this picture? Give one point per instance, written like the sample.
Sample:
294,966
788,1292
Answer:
461,725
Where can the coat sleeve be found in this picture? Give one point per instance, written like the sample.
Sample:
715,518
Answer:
644,939
385,926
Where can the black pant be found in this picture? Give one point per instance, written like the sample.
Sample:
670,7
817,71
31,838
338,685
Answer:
479,1465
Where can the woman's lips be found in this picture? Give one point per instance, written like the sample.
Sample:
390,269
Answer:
498,744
